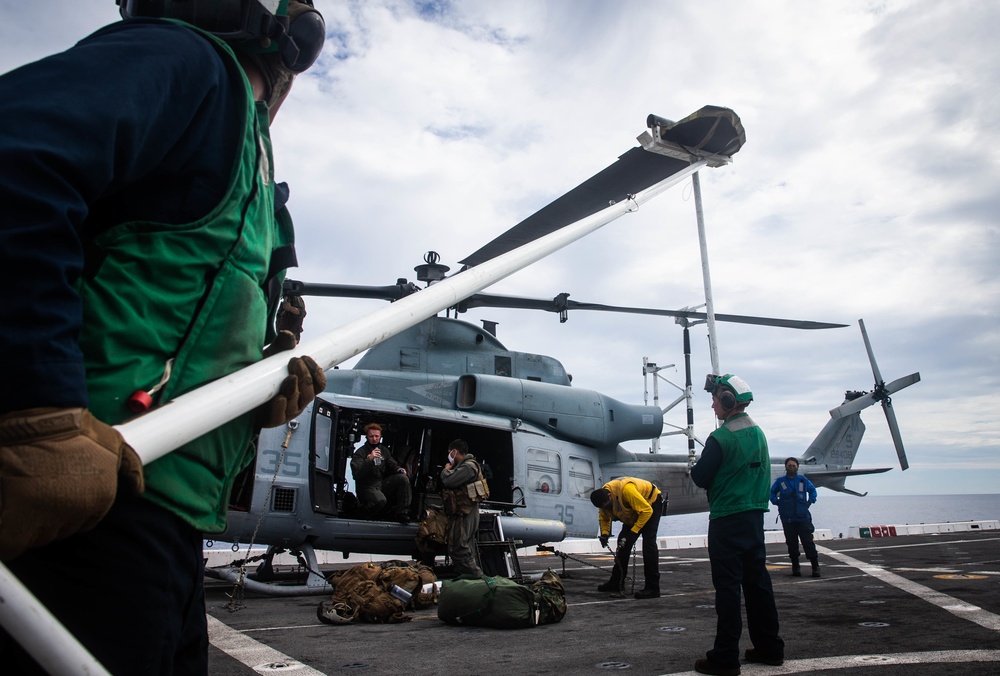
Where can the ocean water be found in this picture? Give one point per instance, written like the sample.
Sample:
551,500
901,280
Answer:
839,512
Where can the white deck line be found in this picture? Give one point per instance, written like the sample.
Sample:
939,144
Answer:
259,657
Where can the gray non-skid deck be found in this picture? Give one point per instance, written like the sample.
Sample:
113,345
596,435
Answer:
920,604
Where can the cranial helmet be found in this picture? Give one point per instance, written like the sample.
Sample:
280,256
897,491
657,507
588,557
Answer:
737,388
259,26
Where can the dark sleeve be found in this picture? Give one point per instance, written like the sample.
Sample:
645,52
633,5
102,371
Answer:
134,122
362,469
704,471
465,473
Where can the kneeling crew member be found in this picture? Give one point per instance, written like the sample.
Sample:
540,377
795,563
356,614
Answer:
638,504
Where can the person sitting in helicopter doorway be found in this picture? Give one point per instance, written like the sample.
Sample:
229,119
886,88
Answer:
463,488
793,493
383,486
638,504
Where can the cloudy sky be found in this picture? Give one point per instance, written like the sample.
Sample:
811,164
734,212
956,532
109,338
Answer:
868,188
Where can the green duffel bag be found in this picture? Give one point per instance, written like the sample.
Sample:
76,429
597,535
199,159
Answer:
496,602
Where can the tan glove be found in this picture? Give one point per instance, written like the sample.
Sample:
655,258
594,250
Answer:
305,380
60,469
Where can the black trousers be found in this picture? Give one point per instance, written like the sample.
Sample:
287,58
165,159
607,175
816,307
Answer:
650,554
737,554
131,590
799,530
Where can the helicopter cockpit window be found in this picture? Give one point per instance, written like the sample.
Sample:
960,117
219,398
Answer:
544,471
581,477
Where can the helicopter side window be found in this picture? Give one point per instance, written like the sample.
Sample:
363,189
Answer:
544,471
581,477
323,430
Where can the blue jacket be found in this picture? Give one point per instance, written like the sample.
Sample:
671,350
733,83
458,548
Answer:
793,497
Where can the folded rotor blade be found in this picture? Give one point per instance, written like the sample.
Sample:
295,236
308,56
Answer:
710,131
388,292
561,303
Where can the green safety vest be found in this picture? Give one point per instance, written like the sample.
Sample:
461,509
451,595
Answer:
196,293
743,481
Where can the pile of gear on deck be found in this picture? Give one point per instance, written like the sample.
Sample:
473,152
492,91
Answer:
382,593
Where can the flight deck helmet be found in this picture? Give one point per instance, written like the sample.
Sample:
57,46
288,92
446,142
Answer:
731,390
256,26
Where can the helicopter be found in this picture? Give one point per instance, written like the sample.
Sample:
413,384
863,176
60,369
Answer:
545,443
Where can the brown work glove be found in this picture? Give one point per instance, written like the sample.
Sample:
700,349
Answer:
305,380
59,472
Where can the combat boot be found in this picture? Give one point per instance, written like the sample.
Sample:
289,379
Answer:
815,566
796,569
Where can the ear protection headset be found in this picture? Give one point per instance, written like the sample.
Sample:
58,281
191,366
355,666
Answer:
299,40
727,399
730,390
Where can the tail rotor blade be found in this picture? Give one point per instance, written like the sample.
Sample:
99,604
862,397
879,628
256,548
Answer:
900,383
897,439
871,354
853,406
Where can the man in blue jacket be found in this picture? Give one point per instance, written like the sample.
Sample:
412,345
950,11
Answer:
793,493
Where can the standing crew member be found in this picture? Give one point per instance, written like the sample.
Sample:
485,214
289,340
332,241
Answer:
638,504
735,469
149,241
464,487
793,493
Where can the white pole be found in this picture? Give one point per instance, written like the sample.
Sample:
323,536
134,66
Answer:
191,415
713,345
187,417
39,633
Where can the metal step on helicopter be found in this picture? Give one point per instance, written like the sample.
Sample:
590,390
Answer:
545,443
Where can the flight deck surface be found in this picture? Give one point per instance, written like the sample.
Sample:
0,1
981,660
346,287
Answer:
918,604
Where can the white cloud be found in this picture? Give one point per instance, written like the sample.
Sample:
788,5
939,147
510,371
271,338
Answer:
867,187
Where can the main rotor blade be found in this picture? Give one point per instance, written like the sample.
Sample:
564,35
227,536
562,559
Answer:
897,439
562,303
390,292
711,131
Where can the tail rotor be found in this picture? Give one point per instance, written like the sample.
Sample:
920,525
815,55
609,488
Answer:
881,393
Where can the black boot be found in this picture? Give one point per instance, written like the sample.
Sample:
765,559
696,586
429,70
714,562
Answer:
815,565
648,593
796,570
611,585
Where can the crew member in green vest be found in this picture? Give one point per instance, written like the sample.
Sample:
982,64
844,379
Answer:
735,469
145,241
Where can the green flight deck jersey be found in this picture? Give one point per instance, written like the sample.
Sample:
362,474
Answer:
197,294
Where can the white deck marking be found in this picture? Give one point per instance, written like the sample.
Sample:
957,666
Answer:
967,611
817,664
256,655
